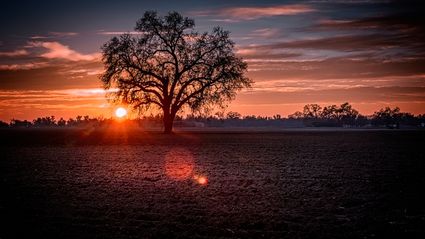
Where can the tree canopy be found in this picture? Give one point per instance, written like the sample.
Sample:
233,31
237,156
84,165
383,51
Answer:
170,66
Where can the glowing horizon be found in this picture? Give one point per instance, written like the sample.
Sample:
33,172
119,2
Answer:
369,53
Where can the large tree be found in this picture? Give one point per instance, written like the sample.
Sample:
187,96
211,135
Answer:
170,66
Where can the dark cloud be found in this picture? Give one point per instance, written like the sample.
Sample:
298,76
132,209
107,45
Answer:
337,68
400,22
359,94
51,77
266,56
351,43
339,43
255,12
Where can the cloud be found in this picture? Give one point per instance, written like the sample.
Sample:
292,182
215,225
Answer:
55,35
371,94
36,96
14,53
44,74
251,13
406,22
405,29
86,71
23,66
65,94
339,68
266,32
342,43
56,50
253,55
285,84
63,34
38,37
118,33
29,104
88,92
383,45
350,1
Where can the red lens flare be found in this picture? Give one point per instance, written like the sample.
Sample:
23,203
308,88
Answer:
179,164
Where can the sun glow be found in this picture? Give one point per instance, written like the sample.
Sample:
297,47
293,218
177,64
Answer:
120,112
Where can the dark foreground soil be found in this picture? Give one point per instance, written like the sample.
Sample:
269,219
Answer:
118,184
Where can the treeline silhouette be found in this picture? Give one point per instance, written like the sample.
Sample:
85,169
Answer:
312,115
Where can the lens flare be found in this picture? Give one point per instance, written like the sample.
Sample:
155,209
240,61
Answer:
202,180
179,164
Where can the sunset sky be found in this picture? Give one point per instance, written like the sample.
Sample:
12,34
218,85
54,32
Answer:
368,53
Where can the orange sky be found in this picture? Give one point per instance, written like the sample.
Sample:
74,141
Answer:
370,54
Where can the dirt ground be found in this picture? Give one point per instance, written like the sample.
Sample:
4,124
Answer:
292,184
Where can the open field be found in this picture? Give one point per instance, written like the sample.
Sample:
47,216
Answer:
290,184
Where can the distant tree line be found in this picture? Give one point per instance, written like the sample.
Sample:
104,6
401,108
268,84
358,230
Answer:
346,116
312,115
79,121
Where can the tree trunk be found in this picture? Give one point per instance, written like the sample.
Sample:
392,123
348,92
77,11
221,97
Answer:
168,122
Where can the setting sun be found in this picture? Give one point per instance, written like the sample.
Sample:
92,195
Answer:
120,112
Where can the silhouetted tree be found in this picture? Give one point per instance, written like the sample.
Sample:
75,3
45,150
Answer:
44,121
296,115
170,66
3,124
61,122
312,111
277,117
333,115
233,115
409,119
71,122
330,112
362,120
347,114
387,116
20,123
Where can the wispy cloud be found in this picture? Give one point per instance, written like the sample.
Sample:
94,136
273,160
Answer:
56,50
402,30
340,68
14,53
380,43
118,32
334,94
28,104
304,84
63,34
341,43
266,32
36,37
251,13
55,35
253,55
351,2
87,92
407,22
66,94
23,66
85,71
